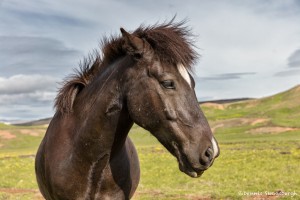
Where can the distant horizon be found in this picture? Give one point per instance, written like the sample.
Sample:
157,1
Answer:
24,120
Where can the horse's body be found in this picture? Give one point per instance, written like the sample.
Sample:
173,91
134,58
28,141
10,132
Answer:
104,162
86,153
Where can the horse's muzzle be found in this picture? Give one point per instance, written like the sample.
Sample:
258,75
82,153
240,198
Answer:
190,165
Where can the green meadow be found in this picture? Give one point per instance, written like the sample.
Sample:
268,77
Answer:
260,155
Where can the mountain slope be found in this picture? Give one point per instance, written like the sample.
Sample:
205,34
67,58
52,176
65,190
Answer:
272,115
39,122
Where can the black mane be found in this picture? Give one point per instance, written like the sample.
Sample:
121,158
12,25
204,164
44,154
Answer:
170,41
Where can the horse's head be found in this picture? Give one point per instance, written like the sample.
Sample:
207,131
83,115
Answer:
161,98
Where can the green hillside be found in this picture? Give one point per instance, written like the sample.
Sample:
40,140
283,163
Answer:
260,152
269,117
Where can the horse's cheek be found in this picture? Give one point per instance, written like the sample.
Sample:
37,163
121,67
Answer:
141,109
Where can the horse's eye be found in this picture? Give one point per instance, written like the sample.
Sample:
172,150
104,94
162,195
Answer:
168,84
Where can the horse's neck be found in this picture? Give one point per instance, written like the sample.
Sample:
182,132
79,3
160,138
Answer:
104,121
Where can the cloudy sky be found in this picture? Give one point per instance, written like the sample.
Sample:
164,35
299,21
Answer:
248,48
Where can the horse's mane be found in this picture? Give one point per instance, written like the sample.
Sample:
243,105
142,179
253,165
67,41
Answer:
170,41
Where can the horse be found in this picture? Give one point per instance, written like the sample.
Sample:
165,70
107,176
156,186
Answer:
142,77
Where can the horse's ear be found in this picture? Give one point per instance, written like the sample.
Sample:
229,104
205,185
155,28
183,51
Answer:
136,46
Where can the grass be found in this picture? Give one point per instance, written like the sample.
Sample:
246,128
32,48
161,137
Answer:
249,162
253,165
245,165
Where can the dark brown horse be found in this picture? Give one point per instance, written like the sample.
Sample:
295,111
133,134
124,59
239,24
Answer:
141,78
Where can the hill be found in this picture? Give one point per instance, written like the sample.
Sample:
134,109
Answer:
224,101
35,123
276,114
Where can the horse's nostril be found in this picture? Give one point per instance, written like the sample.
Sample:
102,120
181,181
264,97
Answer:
209,153
207,157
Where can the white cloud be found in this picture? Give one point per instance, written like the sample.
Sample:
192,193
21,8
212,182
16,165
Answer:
27,96
19,84
238,37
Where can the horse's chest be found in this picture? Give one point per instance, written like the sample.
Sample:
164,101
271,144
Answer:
107,187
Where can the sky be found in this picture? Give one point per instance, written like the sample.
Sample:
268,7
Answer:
248,48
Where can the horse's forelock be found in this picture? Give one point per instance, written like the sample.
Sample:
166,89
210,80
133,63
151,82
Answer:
172,42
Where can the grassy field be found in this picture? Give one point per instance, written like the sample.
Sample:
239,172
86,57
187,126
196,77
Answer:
260,155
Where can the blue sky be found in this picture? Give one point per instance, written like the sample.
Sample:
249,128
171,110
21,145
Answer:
248,48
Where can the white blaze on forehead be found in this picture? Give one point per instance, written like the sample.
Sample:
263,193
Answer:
215,147
184,73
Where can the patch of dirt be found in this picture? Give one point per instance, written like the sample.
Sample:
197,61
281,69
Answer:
16,190
213,128
191,197
215,105
37,194
238,122
251,121
29,132
271,130
258,121
6,135
20,156
156,194
262,197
